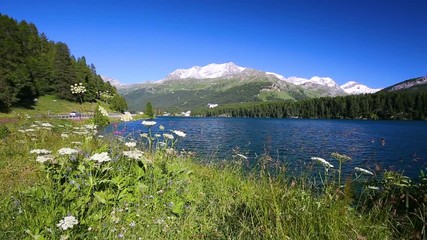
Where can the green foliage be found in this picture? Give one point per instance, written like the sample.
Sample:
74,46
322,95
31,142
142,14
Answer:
166,195
100,117
4,131
33,66
149,110
382,105
118,103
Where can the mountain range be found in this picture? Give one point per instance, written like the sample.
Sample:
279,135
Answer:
186,89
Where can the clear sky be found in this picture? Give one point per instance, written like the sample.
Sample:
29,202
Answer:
374,42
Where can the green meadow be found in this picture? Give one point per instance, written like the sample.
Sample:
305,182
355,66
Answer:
60,179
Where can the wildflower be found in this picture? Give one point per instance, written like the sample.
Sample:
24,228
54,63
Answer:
40,151
168,136
242,156
148,123
67,222
144,135
100,157
179,133
132,224
157,135
64,135
76,143
340,157
29,130
135,154
90,126
67,151
131,144
363,170
373,187
103,111
323,161
161,127
44,158
46,125
126,117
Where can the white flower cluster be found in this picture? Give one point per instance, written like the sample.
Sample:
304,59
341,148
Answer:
78,88
67,151
44,158
100,157
40,151
134,154
168,136
179,133
148,123
67,222
131,144
126,117
103,111
323,161
363,170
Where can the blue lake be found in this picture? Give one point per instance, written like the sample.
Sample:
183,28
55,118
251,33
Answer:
389,145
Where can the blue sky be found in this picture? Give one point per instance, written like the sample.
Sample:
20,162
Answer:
374,42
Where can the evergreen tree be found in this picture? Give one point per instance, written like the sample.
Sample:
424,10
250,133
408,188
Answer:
149,110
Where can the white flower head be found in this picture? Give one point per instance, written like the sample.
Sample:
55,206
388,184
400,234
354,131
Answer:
44,158
40,151
100,157
362,170
161,127
323,161
134,154
103,111
67,151
126,117
67,222
179,133
242,156
131,144
168,136
148,123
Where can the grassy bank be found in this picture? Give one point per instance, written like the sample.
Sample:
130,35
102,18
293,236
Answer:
60,180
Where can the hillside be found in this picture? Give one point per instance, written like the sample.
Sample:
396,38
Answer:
419,83
188,89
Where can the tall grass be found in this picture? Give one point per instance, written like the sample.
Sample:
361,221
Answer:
163,193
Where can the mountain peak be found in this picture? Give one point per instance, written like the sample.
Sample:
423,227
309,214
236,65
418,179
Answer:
353,87
212,70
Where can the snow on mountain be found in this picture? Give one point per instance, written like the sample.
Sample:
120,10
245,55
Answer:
209,71
353,87
112,81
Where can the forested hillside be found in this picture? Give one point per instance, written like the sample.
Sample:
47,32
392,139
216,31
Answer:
31,65
381,105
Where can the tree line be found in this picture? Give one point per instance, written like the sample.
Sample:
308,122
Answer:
382,105
31,66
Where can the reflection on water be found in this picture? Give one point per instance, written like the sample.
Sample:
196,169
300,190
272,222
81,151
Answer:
395,145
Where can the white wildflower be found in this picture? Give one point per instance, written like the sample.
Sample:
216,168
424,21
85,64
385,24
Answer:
67,222
144,135
76,143
148,123
323,161
179,133
40,151
373,187
134,154
242,156
363,170
161,127
89,126
100,157
168,136
67,151
157,135
103,111
126,117
44,158
46,125
29,130
131,144
65,135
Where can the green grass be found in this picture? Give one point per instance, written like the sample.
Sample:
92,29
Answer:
51,105
162,194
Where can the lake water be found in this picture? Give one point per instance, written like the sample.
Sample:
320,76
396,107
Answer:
390,145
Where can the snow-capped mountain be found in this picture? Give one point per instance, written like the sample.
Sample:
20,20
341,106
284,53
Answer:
112,81
209,71
353,87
